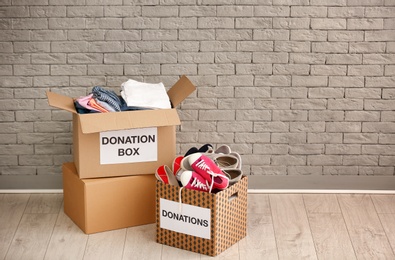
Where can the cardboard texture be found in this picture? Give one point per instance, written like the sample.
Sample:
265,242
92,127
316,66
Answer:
228,222
87,129
103,204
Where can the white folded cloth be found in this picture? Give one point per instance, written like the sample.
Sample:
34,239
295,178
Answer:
147,95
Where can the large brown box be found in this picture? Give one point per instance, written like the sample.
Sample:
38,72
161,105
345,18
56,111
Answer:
227,214
103,204
90,148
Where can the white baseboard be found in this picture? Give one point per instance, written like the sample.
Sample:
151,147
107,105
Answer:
256,184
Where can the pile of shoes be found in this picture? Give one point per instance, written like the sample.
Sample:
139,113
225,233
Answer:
203,169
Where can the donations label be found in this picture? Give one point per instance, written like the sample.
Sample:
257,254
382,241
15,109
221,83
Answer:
185,218
129,146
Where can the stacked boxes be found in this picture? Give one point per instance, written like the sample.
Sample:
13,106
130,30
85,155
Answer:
111,184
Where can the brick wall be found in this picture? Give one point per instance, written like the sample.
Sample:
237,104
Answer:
296,86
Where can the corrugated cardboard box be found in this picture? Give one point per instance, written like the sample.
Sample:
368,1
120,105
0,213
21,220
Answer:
124,143
102,204
205,223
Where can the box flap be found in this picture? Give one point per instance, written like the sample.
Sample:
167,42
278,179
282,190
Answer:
60,101
101,122
180,91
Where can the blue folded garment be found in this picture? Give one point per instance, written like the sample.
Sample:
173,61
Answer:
107,96
109,100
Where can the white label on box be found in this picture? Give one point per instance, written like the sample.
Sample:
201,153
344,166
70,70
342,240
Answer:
129,146
191,220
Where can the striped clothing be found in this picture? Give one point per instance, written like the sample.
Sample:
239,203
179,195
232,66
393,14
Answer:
107,96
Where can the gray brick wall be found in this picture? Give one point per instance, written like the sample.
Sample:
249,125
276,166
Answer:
298,87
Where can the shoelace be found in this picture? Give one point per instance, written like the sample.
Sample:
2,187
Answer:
195,183
179,200
202,165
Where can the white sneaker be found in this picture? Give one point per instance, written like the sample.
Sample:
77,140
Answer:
193,181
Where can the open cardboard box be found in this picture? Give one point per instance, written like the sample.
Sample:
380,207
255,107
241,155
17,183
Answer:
202,222
103,204
124,143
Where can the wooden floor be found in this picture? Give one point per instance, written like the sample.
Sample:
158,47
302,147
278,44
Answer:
280,226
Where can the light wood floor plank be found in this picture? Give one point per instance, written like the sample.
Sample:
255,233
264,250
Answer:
363,224
67,240
330,236
388,222
105,245
173,253
384,203
32,237
321,203
327,225
260,242
11,211
143,239
44,203
291,227
232,253
258,203
280,226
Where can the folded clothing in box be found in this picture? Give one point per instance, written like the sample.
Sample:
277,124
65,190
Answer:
142,94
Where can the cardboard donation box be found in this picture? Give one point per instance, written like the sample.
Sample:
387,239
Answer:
102,204
206,223
127,142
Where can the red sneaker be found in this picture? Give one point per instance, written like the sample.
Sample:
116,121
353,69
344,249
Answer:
205,167
193,181
177,164
161,174
164,174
